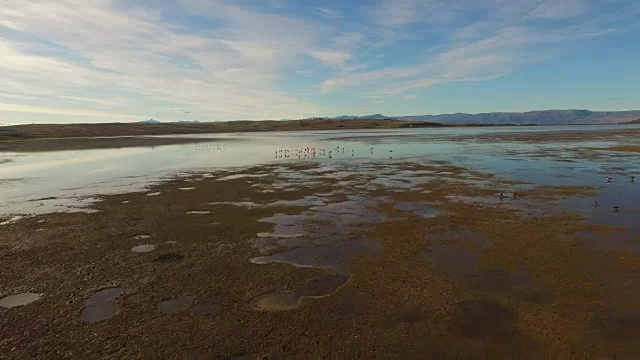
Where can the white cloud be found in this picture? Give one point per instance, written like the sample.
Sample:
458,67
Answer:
486,48
327,13
331,57
559,9
117,59
133,56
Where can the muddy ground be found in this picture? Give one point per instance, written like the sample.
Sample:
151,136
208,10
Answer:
301,261
40,131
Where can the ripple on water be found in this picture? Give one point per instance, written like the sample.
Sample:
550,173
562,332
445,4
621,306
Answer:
175,305
143,248
17,300
287,300
99,306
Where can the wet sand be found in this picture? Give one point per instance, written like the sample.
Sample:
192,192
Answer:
463,275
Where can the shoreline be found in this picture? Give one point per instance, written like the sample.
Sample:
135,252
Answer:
62,137
94,143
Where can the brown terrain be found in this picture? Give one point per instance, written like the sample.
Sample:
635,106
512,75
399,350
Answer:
433,265
39,131
56,137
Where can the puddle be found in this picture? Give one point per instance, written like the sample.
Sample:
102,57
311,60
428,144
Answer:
143,248
335,255
186,188
125,202
17,300
287,300
175,305
203,308
418,209
170,257
485,320
141,237
154,193
199,212
99,306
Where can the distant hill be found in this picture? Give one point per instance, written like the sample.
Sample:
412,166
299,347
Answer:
150,121
634,122
188,121
544,117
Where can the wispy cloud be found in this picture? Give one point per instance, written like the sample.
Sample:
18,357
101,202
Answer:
486,48
331,57
327,13
96,60
133,53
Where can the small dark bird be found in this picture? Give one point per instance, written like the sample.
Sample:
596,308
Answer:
633,179
501,195
595,203
609,179
616,208
515,195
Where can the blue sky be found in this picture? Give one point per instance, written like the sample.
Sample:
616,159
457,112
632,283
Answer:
117,60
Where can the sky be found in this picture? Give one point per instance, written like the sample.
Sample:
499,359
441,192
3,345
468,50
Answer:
67,61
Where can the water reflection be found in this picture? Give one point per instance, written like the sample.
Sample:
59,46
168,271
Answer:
66,180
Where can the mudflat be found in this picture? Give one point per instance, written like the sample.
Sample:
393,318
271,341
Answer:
37,131
297,260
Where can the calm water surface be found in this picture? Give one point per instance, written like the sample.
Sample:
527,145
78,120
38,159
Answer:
36,183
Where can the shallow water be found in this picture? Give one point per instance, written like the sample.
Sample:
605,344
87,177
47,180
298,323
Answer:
99,306
37,183
143,248
287,300
17,300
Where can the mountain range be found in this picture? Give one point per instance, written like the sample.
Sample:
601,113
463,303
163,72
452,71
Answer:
543,117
